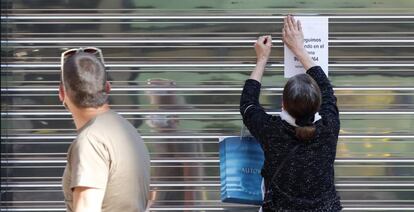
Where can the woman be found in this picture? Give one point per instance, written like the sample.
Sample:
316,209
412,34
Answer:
300,144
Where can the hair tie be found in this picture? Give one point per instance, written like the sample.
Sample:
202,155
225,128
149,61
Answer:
305,121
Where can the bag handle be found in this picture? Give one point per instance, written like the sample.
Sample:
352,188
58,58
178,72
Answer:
282,164
269,203
242,131
243,128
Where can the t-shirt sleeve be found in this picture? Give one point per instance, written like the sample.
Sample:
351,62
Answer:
90,164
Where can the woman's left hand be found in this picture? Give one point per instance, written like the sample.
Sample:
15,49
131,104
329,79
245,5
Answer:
263,48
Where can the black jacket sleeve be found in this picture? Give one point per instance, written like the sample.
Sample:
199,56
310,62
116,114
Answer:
254,116
329,110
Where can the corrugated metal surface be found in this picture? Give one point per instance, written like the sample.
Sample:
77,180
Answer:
202,50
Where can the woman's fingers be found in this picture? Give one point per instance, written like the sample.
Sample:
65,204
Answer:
263,47
291,23
261,40
258,40
268,40
286,23
265,40
286,26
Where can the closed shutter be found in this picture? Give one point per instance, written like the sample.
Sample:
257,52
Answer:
177,69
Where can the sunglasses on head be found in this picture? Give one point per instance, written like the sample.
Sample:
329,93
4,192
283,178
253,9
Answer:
68,53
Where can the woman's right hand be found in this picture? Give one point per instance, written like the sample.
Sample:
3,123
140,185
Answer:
293,34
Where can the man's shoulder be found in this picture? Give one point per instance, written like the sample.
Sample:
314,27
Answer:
106,123
112,125
87,138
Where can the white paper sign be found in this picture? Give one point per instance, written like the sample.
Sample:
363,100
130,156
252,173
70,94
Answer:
315,31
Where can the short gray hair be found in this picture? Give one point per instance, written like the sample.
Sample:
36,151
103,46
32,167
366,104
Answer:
85,80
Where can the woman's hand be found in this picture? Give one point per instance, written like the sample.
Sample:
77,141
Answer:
293,34
263,47
293,38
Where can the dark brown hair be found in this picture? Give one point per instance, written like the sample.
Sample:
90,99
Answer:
84,78
302,99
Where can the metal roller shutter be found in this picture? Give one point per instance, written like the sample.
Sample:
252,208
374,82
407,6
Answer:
201,52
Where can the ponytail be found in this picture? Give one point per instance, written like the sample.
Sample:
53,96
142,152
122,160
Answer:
302,99
305,129
305,133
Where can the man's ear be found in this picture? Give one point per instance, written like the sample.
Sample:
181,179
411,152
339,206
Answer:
61,93
107,87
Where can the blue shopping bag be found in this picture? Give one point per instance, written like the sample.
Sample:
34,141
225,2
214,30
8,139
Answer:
241,160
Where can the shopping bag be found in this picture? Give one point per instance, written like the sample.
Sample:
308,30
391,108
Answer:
241,161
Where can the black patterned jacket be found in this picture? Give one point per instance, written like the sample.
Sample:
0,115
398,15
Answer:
306,181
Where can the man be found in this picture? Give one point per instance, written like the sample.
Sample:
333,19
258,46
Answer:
108,164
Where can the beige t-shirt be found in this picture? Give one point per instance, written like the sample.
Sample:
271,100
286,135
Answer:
109,154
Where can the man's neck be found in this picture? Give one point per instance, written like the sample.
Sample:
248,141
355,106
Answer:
82,116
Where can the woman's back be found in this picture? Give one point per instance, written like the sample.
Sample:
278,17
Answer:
300,144
307,177
306,180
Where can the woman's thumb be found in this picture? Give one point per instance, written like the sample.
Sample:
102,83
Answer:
268,40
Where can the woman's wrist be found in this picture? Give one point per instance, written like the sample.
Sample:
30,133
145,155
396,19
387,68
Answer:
261,62
261,65
304,58
258,71
299,51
